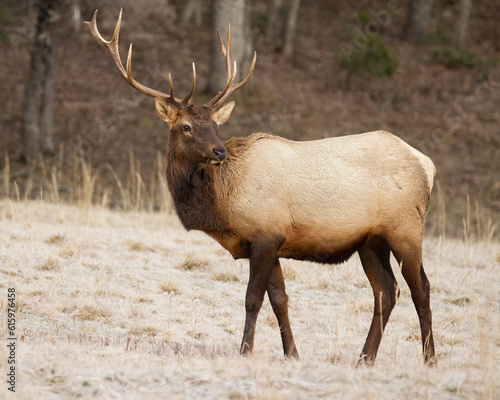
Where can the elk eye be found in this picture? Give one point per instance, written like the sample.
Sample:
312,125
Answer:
186,128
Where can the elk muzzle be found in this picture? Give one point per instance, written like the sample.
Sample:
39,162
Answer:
219,154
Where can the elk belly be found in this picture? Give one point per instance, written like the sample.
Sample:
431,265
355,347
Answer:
321,245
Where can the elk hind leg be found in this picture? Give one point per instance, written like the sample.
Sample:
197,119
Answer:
409,255
375,255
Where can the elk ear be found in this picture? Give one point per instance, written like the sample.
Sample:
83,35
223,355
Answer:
221,115
165,111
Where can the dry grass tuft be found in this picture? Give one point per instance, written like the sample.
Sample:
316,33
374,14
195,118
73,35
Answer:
226,276
10,273
191,263
51,264
70,309
141,330
145,300
35,292
69,252
56,239
169,287
197,335
92,313
461,301
136,246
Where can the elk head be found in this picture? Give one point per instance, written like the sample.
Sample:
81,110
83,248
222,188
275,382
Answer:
194,129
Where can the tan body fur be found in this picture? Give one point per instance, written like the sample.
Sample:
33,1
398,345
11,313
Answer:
324,197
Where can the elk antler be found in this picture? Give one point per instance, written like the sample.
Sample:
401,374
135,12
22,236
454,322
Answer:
230,87
112,48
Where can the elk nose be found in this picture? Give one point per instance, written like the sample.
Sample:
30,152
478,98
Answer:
221,154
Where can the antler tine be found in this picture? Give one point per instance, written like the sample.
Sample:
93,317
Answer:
226,54
222,49
242,83
215,102
230,87
171,85
185,101
112,47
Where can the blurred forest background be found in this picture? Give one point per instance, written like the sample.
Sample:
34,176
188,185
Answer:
427,71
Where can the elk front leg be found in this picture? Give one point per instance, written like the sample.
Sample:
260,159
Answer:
263,257
279,302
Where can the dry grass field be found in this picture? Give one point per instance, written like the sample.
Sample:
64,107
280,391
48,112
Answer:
127,305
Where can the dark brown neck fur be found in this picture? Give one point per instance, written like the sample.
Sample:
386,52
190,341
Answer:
200,192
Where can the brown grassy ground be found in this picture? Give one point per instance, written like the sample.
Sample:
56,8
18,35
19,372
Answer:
129,305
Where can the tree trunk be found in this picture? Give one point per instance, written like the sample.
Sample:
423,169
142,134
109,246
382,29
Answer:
274,28
37,120
291,28
76,14
238,12
192,11
463,22
418,18
29,9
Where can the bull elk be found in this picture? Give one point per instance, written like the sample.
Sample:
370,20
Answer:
263,197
